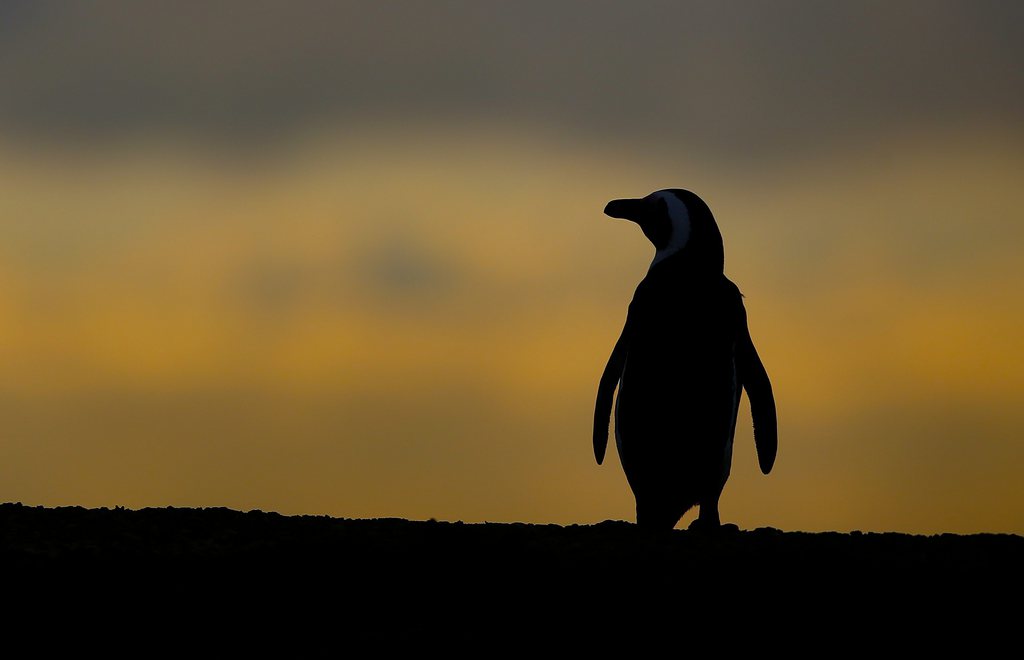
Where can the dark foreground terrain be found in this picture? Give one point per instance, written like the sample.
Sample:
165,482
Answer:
223,575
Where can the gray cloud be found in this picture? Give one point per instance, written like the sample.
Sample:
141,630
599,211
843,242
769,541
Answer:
404,269
732,79
395,269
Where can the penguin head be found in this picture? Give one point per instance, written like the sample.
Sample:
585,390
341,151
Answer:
678,223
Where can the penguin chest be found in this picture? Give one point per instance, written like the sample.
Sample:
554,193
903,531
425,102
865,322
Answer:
677,412
677,400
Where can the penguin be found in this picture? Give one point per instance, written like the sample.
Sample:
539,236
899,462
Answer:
680,365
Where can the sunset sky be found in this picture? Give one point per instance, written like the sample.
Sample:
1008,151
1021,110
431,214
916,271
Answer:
349,258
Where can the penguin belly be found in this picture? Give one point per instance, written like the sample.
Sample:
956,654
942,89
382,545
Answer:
675,416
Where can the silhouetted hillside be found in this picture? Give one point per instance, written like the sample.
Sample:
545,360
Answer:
178,571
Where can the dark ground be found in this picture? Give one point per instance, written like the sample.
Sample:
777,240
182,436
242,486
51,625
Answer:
179,573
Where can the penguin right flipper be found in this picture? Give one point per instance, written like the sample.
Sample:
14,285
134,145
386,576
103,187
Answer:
606,391
762,402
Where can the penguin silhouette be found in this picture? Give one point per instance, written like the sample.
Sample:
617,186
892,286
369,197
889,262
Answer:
680,365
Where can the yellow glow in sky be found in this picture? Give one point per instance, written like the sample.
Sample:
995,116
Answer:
361,328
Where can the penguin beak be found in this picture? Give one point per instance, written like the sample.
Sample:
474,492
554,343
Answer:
634,210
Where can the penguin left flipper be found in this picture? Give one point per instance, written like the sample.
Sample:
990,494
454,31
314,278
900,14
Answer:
606,392
755,381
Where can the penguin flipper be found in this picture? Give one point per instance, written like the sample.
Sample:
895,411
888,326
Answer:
606,392
762,401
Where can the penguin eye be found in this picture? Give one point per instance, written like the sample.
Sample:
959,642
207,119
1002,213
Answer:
662,230
658,228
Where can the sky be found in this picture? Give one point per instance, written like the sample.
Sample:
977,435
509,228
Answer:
349,258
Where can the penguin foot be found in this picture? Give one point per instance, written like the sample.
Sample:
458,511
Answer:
705,526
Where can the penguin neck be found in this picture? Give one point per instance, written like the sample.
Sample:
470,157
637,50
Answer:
672,248
684,262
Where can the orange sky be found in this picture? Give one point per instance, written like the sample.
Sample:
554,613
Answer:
407,315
